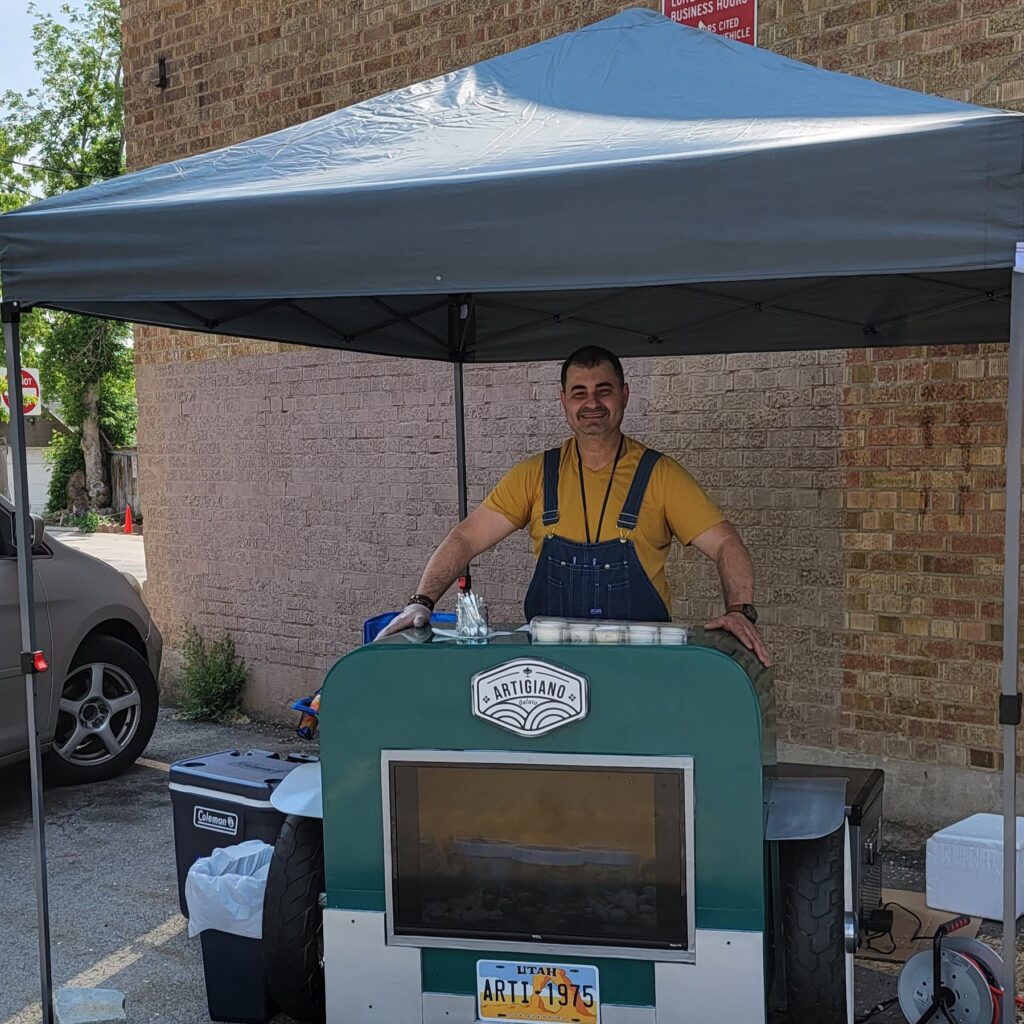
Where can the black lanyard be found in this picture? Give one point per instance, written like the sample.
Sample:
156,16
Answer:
608,490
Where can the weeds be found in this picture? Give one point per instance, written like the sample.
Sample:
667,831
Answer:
213,680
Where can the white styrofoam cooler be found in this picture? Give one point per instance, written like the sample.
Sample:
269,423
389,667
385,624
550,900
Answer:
964,867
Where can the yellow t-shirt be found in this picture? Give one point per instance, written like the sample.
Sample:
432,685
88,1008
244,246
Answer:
673,506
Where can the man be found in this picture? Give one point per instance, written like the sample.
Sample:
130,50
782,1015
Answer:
602,510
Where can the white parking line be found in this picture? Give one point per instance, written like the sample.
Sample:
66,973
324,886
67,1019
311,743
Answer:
103,970
146,763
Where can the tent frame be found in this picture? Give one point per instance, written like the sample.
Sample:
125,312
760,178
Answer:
461,334
10,313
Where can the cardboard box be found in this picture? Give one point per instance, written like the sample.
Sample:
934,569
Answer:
964,867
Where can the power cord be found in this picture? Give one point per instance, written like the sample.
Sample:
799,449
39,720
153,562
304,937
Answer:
876,1010
870,937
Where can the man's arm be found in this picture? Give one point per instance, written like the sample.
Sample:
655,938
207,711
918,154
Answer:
477,533
722,544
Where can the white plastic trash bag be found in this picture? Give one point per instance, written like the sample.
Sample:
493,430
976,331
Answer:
225,890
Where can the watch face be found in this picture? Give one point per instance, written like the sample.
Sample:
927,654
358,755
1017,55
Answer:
750,612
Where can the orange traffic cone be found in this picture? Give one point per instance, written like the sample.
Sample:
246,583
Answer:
127,519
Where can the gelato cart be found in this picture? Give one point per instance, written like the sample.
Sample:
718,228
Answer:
577,830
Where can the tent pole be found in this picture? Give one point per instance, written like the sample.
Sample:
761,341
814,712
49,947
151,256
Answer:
10,313
1009,702
459,325
460,441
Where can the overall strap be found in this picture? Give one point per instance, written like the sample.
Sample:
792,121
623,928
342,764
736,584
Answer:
631,507
552,458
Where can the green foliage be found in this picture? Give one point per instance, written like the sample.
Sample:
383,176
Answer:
65,134
87,522
118,409
64,457
69,131
79,351
14,183
214,678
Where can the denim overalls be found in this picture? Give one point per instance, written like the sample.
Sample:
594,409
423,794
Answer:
604,580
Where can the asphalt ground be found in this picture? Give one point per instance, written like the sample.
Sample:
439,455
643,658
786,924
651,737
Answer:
113,886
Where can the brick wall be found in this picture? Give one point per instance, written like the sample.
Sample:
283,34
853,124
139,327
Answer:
923,430
291,493
924,436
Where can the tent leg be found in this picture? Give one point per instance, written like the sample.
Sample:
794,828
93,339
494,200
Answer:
460,441
1009,710
461,325
10,313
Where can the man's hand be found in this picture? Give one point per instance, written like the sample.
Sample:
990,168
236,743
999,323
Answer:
413,616
743,629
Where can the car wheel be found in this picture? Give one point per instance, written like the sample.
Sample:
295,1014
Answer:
108,709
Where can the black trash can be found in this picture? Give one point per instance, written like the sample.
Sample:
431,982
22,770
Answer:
223,799
225,891
236,987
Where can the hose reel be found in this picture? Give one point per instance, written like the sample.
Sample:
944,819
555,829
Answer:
956,981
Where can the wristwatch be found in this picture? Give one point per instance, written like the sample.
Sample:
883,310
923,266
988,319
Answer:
748,611
422,599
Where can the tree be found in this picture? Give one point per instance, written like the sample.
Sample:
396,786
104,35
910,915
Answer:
14,192
63,135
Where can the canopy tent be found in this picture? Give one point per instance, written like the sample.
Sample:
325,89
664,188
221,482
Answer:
636,184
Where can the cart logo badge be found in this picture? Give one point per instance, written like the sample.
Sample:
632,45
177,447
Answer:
530,698
215,821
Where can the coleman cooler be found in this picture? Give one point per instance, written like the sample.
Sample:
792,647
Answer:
222,799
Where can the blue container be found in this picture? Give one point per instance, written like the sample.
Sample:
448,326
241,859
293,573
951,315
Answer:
371,627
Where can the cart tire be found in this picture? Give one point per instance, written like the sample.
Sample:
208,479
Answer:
293,920
813,916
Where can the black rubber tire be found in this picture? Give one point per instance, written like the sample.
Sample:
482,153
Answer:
107,650
293,920
813,916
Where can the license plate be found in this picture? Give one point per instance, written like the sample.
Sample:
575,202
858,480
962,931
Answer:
537,991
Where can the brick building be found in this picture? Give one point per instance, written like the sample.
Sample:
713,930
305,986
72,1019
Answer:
290,493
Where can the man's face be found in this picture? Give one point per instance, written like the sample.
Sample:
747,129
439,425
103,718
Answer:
594,400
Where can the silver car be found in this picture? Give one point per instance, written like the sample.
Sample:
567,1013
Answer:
96,705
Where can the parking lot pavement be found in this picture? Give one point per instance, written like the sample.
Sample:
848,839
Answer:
113,887
127,553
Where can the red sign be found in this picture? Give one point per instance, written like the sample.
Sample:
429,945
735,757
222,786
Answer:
31,393
734,19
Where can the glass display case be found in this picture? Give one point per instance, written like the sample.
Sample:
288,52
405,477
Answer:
496,850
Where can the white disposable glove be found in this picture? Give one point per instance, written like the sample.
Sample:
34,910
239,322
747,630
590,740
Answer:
413,616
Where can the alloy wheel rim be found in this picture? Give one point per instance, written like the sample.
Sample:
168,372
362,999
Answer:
99,714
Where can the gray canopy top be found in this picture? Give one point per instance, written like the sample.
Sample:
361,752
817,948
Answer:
635,183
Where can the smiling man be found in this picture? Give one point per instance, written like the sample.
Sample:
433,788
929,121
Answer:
602,510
